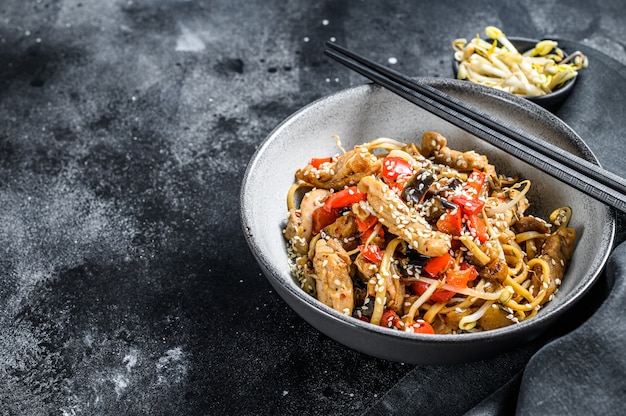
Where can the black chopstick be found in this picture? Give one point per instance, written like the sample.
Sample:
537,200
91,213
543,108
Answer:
500,126
575,171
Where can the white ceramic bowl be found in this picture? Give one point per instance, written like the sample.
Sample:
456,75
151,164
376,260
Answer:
366,112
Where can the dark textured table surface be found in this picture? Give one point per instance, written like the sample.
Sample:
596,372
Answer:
126,285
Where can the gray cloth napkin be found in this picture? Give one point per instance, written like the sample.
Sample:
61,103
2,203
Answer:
584,371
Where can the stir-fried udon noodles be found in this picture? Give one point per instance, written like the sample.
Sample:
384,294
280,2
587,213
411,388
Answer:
423,238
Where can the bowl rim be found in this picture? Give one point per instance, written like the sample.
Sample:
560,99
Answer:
541,321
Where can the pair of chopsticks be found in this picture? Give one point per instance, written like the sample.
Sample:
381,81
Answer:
581,174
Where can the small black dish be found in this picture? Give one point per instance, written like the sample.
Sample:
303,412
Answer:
551,101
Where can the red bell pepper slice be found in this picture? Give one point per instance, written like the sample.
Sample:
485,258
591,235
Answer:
475,182
420,327
477,227
321,218
366,223
438,264
459,277
371,252
366,227
454,277
451,222
390,319
395,167
399,185
366,234
469,206
439,295
344,198
316,162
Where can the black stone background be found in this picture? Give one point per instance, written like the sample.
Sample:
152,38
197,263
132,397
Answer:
126,286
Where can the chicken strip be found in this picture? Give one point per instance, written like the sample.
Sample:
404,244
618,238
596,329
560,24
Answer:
300,222
332,276
345,231
407,224
346,171
434,145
